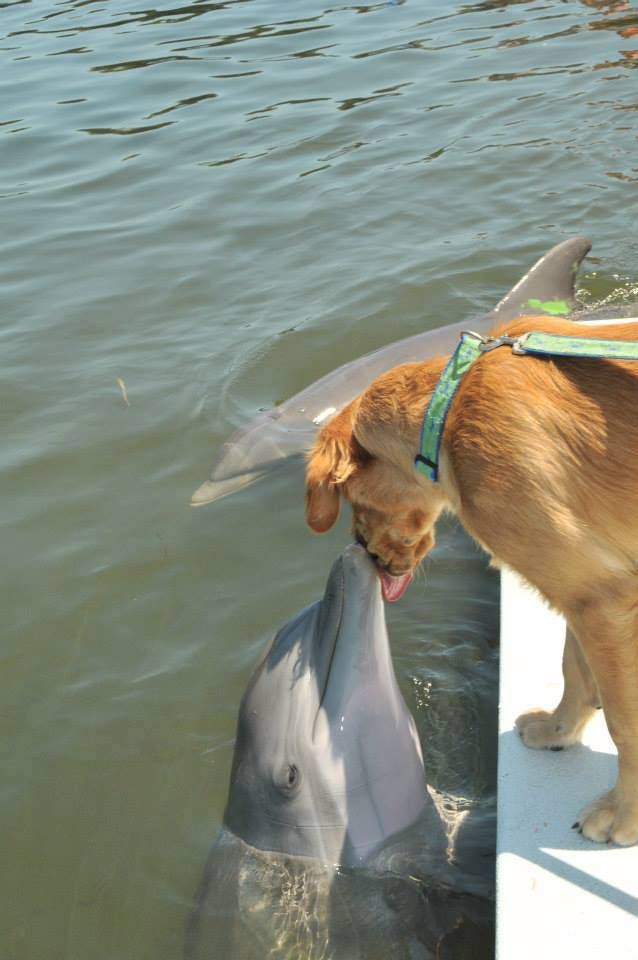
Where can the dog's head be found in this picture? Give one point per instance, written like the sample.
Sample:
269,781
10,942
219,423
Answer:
359,455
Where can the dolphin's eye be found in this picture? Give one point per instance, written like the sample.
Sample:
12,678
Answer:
288,778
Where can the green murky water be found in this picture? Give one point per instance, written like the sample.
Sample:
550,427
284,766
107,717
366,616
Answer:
205,207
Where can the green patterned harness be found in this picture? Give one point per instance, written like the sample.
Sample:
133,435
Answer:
472,345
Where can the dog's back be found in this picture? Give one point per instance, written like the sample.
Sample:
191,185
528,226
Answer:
546,450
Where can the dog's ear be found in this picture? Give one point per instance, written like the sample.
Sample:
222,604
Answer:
332,459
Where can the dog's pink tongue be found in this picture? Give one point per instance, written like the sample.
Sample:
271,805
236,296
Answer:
393,588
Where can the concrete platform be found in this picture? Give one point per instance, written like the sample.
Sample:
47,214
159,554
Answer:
558,895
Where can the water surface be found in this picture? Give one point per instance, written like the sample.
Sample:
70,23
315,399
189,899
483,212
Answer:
205,207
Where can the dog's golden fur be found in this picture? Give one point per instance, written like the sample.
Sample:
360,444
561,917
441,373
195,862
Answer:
539,460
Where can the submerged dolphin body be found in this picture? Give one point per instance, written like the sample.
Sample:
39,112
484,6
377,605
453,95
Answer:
332,844
286,431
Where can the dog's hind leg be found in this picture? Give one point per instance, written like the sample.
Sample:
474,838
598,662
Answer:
563,726
608,631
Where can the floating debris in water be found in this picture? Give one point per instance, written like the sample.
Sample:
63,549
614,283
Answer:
122,387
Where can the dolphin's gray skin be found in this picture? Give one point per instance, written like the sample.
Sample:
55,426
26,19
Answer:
332,845
327,761
287,431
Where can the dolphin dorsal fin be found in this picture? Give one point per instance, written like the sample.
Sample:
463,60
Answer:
548,286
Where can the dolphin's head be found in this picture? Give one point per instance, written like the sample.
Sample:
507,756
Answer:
327,761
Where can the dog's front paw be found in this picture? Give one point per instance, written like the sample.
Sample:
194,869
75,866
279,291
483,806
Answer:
607,821
545,731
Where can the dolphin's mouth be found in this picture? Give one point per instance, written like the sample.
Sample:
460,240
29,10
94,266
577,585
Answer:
329,624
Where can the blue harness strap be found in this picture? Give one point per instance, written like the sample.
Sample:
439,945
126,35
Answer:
472,345
553,345
467,351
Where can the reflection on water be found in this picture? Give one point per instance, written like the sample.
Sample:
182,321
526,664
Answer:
214,204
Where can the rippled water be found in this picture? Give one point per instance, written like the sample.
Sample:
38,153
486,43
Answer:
204,208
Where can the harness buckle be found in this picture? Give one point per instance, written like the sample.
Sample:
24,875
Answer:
518,347
474,335
491,343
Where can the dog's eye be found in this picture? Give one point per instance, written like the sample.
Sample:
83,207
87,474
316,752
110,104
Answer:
398,537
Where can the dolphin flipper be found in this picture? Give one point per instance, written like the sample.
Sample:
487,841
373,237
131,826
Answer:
276,436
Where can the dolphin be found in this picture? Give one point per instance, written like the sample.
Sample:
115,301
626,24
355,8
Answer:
327,761
332,843
285,432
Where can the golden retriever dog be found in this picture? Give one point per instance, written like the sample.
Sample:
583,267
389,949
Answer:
539,461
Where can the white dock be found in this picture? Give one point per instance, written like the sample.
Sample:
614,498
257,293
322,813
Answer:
558,895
